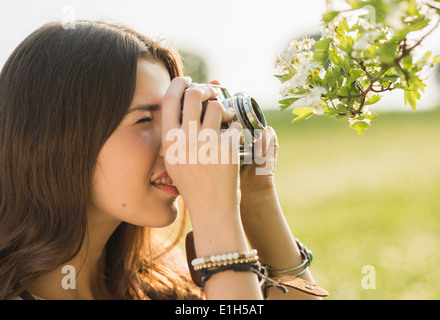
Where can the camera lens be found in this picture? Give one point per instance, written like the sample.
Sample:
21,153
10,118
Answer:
253,114
248,113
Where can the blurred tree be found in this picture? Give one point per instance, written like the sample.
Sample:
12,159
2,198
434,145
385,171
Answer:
195,67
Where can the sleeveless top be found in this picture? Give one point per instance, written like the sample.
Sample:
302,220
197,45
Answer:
25,295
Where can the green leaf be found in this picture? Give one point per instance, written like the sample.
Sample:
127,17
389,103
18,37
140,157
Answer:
374,98
427,55
410,98
320,56
418,24
360,126
407,61
355,74
329,16
302,114
283,77
369,116
334,58
401,34
322,44
346,44
387,52
285,103
371,52
390,77
342,108
343,91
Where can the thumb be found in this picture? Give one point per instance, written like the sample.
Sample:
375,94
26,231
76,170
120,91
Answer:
268,142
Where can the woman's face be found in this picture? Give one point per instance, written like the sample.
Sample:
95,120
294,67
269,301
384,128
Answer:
132,158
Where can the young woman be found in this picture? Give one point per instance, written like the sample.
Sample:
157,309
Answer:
85,182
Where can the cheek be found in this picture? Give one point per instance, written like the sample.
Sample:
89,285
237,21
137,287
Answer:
122,174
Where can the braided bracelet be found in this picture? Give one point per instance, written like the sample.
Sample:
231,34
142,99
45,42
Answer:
206,274
307,256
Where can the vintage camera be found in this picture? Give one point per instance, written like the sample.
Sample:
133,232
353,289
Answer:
248,114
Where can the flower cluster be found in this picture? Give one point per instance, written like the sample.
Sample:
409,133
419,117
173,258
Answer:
363,52
295,65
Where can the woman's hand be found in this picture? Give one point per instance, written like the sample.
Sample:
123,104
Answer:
203,185
258,177
210,191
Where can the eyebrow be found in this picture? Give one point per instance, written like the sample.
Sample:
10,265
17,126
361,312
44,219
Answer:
144,107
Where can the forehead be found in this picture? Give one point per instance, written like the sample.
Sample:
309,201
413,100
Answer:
152,81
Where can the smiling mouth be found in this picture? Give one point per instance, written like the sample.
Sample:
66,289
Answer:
165,184
167,188
163,181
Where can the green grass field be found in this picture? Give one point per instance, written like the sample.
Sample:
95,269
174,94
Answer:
371,200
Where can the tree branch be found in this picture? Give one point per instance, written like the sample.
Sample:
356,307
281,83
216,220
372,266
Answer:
389,88
424,37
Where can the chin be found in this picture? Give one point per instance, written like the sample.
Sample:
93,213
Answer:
158,217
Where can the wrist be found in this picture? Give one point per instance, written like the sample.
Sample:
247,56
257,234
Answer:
259,201
218,232
224,206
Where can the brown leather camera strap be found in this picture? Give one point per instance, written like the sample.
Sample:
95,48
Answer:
299,284
288,281
190,256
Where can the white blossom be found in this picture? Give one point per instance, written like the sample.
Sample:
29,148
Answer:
366,39
329,31
322,73
313,100
365,24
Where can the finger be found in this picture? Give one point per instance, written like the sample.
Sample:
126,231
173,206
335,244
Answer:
235,131
215,82
230,140
235,126
266,143
241,93
171,106
192,104
216,114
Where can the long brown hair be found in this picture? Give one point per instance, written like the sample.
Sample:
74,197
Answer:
62,94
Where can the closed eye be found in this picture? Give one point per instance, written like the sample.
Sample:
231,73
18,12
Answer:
145,120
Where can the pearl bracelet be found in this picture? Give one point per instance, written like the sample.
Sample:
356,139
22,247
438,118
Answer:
219,260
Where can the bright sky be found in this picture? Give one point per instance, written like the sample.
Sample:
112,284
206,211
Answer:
238,38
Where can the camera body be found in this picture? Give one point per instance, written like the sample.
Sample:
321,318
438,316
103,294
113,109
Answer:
247,112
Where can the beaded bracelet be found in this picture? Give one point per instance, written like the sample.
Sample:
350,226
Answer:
222,260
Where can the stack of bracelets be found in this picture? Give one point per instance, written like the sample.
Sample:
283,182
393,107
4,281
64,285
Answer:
249,261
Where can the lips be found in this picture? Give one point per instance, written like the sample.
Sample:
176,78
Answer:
164,183
160,176
167,188
163,180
